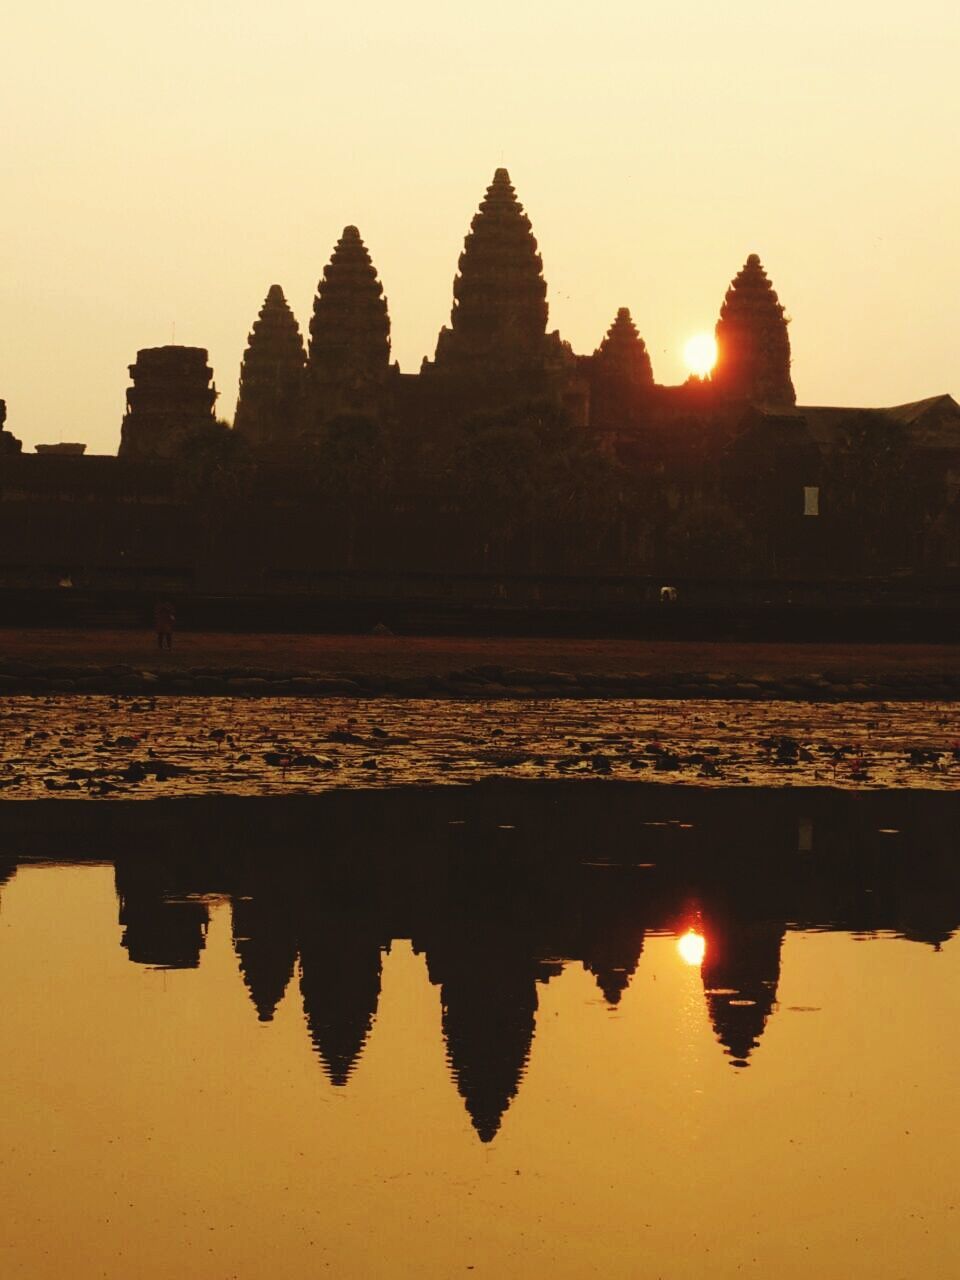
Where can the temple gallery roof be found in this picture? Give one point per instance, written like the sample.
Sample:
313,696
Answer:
933,423
938,417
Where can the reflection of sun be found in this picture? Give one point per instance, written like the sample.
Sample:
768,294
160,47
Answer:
700,354
692,948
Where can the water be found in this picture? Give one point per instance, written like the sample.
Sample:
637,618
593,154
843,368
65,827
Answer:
649,1035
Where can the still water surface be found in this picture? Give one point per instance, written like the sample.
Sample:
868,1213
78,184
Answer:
422,1065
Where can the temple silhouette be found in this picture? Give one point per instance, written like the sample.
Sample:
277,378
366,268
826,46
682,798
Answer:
507,470
318,894
495,356
489,965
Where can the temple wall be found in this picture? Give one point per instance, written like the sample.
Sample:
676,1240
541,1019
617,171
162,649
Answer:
109,524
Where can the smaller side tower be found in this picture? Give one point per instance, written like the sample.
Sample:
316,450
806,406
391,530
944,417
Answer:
171,400
621,376
623,353
753,346
270,403
349,357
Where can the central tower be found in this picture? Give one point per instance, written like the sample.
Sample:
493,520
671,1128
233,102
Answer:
499,317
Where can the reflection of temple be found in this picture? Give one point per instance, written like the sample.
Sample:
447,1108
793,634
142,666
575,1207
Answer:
496,919
613,924
488,991
161,927
265,940
8,869
341,958
740,972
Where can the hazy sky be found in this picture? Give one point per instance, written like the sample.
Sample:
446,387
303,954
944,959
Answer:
162,165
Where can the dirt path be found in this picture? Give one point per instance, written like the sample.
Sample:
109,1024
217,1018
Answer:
438,656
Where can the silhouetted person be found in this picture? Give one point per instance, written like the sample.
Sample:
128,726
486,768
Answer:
164,618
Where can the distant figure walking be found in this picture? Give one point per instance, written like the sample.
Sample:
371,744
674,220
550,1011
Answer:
164,618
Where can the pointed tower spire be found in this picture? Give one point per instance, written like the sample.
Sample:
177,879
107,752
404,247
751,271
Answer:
350,331
499,316
271,377
623,353
753,347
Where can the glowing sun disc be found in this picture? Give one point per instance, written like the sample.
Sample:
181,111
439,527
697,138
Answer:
700,354
692,948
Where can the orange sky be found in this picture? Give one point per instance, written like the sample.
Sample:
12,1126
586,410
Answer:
163,166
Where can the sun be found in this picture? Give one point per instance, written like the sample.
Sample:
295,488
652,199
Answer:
700,354
692,948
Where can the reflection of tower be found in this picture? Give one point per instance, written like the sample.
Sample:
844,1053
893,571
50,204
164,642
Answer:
740,973
489,998
927,911
613,959
614,933
8,867
265,940
160,928
340,967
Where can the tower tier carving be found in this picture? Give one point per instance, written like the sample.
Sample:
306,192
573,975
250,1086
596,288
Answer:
170,401
499,316
753,346
270,404
349,357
